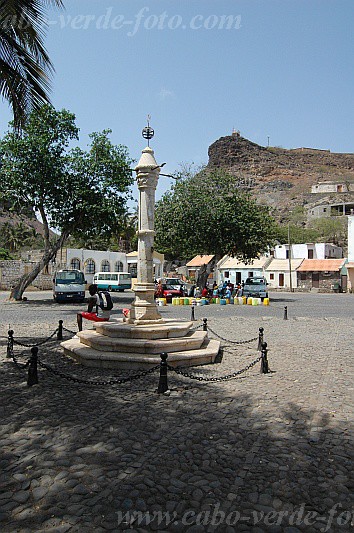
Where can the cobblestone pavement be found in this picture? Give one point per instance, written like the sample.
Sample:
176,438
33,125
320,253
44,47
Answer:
263,452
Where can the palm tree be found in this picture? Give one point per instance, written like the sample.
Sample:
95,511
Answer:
25,67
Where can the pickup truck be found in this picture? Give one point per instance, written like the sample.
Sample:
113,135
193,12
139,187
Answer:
256,287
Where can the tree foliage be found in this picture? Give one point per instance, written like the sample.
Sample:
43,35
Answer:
209,214
76,192
25,67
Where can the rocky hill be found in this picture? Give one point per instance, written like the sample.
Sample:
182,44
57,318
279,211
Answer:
283,178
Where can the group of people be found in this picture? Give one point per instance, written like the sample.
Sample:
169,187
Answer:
224,290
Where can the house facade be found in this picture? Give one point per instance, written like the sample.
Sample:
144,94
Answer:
312,250
350,264
92,261
196,263
323,275
230,268
278,272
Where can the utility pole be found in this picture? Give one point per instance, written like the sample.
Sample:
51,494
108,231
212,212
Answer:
289,256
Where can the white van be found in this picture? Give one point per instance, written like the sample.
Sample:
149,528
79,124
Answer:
113,281
69,285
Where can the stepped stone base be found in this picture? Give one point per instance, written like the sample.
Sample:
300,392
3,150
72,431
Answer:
122,345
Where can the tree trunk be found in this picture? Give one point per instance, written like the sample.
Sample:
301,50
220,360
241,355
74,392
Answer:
204,272
26,279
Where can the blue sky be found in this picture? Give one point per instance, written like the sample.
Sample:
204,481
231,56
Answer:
283,69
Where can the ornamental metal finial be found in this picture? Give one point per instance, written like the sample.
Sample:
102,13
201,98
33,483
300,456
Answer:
148,132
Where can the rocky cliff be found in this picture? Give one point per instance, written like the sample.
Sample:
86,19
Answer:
283,178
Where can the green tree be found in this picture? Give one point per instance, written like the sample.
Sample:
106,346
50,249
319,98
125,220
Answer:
5,254
208,214
331,229
25,67
15,236
76,192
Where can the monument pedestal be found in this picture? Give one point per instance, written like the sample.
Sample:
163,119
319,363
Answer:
119,344
143,309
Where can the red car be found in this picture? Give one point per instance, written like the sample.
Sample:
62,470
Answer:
169,292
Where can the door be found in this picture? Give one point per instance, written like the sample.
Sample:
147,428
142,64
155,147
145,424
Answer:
281,280
315,280
344,282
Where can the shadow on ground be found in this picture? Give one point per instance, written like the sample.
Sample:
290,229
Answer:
76,455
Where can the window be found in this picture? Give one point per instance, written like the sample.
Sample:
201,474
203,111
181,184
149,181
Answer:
105,266
303,276
226,274
119,266
287,254
75,264
250,275
133,269
309,254
90,266
271,275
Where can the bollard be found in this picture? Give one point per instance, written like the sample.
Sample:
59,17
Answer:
205,324
60,331
264,360
192,315
286,312
260,339
163,385
32,378
10,343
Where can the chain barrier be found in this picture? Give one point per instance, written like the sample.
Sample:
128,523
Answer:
232,342
180,371
69,331
37,344
117,381
11,355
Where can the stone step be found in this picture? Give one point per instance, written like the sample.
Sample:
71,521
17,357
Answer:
101,359
191,341
120,329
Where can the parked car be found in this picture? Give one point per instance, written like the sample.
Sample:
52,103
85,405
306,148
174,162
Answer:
170,291
256,287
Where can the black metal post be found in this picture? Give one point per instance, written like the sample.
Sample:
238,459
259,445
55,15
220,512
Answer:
10,343
286,312
205,324
163,385
60,331
192,316
264,360
32,378
260,339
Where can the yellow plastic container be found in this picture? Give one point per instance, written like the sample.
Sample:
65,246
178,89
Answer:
236,302
249,300
217,300
254,301
266,301
244,300
227,300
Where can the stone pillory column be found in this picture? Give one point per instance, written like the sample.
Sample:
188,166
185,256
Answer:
143,310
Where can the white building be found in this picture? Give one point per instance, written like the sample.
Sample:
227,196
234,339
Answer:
310,250
230,268
277,273
92,261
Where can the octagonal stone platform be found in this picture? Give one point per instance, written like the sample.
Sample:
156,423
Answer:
118,344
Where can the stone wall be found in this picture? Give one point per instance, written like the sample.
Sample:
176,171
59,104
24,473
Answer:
11,271
326,282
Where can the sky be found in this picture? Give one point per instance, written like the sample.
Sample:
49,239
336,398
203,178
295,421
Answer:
279,71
